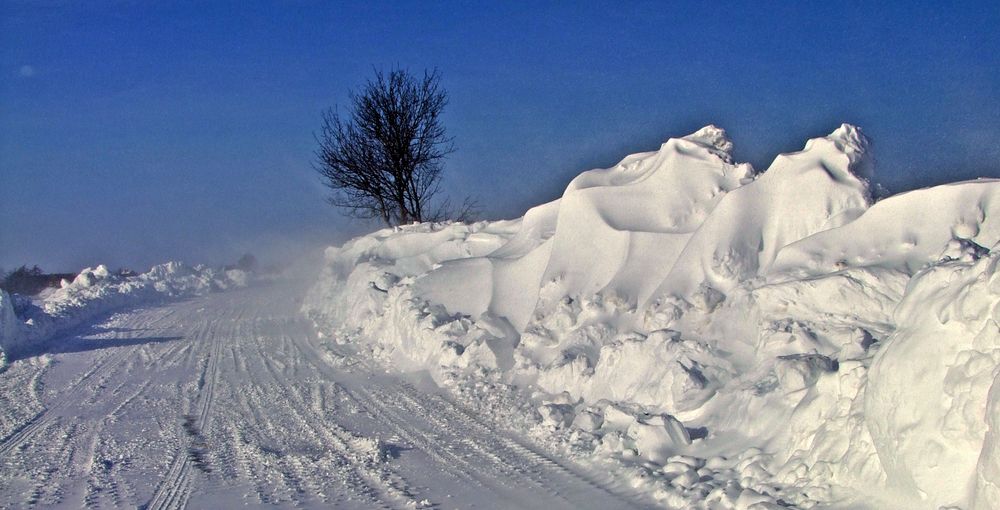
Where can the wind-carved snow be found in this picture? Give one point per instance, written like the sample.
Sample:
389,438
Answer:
729,338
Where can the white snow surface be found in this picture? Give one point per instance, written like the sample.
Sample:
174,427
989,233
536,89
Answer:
230,400
732,339
98,291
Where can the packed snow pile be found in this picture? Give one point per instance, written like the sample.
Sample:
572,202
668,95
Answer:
736,339
97,290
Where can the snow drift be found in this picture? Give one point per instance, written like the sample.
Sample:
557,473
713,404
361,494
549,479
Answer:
736,338
95,291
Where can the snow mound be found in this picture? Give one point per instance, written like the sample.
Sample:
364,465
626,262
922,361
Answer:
95,291
800,194
733,338
946,351
609,226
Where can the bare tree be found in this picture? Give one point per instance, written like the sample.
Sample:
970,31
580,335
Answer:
384,159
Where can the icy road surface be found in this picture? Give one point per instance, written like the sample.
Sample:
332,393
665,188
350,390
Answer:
231,400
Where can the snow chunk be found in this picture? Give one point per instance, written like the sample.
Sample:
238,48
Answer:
714,139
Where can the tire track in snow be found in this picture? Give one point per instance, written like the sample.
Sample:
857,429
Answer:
101,481
449,447
556,475
499,457
486,462
66,399
376,404
369,476
45,492
446,460
101,478
175,489
104,477
539,466
55,435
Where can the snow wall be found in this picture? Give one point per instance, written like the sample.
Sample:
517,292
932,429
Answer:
778,326
95,291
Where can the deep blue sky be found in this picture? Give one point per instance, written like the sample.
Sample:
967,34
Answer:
137,132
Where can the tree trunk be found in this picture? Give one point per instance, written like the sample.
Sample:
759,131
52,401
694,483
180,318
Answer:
404,214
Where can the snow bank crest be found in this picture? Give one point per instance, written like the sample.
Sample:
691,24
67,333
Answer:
849,141
715,140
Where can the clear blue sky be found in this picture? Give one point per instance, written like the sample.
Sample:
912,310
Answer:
137,132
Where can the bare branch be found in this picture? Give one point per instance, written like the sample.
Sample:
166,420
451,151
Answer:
385,159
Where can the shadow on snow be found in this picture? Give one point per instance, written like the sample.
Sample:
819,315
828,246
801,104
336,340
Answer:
88,338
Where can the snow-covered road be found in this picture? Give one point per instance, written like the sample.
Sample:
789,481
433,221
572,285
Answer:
231,400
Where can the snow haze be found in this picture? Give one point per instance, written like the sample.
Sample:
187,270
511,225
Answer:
131,134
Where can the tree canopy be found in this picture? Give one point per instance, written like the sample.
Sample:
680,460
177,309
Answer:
384,158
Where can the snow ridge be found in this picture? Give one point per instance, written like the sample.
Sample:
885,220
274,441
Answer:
731,338
95,291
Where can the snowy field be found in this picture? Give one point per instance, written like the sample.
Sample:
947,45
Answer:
677,331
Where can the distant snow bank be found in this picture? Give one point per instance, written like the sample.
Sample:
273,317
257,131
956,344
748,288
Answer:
95,291
736,338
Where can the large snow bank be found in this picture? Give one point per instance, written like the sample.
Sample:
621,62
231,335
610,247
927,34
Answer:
97,290
738,338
